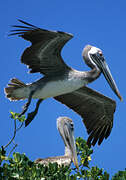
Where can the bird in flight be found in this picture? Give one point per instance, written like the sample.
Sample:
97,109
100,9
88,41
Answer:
62,82
66,129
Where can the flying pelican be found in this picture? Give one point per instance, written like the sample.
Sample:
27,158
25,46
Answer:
66,128
62,82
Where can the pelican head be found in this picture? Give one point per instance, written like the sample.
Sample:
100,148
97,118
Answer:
94,58
66,129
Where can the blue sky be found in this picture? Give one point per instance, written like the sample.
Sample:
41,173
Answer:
99,23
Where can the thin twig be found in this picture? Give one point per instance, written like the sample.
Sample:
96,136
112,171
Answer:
12,137
12,149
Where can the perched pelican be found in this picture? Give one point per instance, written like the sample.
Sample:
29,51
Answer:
66,129
62,82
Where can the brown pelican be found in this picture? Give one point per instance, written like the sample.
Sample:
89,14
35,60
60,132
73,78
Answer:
66,129
62,82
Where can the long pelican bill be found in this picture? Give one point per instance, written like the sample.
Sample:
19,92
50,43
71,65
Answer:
101,63
69,140
74,153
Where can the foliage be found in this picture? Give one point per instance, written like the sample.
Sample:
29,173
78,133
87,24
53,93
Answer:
19,167
121,175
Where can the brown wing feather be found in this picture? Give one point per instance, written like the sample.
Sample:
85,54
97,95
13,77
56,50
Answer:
96,110
44,55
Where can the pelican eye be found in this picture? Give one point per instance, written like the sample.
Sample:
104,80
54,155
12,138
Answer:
72,125
100,53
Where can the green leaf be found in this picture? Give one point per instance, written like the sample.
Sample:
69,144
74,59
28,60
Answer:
17,157
15,116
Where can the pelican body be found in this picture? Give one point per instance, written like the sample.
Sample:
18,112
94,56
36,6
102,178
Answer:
66,130
44,56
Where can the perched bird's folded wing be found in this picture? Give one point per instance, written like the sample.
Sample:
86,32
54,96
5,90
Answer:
44,55
96,110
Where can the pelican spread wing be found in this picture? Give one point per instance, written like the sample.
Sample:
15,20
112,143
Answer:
96,110
44,55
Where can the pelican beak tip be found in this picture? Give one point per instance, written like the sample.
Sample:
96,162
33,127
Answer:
75,161
121,99
77,165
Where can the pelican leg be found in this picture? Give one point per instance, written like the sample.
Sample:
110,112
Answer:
33,114
25,107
